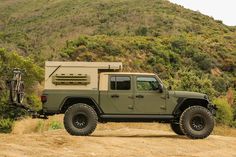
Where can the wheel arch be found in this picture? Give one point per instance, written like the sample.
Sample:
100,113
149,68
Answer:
184,103
69,101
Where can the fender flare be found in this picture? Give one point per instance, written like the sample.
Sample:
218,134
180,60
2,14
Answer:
98,108
183,103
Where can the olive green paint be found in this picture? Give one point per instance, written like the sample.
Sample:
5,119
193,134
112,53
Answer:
123,101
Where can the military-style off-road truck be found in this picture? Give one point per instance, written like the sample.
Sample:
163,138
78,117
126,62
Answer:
92,92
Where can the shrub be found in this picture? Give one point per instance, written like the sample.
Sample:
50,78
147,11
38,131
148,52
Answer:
33,75
233,124
34,101
142,31
193,81
55,125
224,112
178,44
40,126
204,62
234,112
220,84
151,61
6,125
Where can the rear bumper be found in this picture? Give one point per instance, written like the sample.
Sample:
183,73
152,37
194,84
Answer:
41,114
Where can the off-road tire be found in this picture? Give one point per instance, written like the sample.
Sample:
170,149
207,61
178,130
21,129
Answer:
80,110
176,128
197,122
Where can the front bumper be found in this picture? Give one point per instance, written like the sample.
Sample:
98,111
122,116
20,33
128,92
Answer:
212,108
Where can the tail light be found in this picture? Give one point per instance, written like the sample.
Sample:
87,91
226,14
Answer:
43,98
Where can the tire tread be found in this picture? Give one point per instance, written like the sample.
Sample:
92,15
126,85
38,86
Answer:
82,133
189,133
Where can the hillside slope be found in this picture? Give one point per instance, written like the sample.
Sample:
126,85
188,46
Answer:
188,50
42,27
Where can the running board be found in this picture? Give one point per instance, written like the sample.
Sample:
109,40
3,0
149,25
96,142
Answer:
136,118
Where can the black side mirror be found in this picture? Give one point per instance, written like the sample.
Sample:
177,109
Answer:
160,88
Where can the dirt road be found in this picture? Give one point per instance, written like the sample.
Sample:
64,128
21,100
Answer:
115,140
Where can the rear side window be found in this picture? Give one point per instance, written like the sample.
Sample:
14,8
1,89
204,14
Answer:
120,83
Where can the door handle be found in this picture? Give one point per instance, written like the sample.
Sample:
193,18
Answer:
130,107
115,96
139,96
131,97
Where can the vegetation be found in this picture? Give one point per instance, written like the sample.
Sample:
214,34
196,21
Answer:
42,27
190,51
224,113
185,68
34,74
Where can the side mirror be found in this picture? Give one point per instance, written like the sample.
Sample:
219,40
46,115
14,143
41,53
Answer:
160,88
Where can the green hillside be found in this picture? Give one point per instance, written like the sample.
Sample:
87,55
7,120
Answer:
188,50
42,27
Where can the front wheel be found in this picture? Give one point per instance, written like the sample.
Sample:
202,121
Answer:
176,128
197,122
80,120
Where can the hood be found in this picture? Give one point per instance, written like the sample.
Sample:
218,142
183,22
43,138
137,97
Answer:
186,94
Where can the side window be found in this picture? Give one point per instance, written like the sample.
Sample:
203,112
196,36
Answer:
147,84
120,83
113,83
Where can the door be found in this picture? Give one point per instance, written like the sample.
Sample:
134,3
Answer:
119,97
149,99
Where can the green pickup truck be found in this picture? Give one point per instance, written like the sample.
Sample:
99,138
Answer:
92,92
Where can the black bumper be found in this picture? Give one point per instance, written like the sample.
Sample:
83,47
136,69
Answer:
212,108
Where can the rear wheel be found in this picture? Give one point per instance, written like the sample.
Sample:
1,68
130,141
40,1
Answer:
197,122
176,128
80,120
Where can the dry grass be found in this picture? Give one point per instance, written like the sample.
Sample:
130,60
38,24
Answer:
29,125
224,131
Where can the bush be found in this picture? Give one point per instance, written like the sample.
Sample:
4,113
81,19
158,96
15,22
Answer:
233,124
224,112
33,75
55,125
220,84
6,125
204,62
193,81
234,112
142,31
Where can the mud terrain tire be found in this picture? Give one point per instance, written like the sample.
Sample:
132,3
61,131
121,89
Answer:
197,122
80,120
176,128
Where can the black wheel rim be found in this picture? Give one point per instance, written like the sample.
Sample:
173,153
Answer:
197,122
80,121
